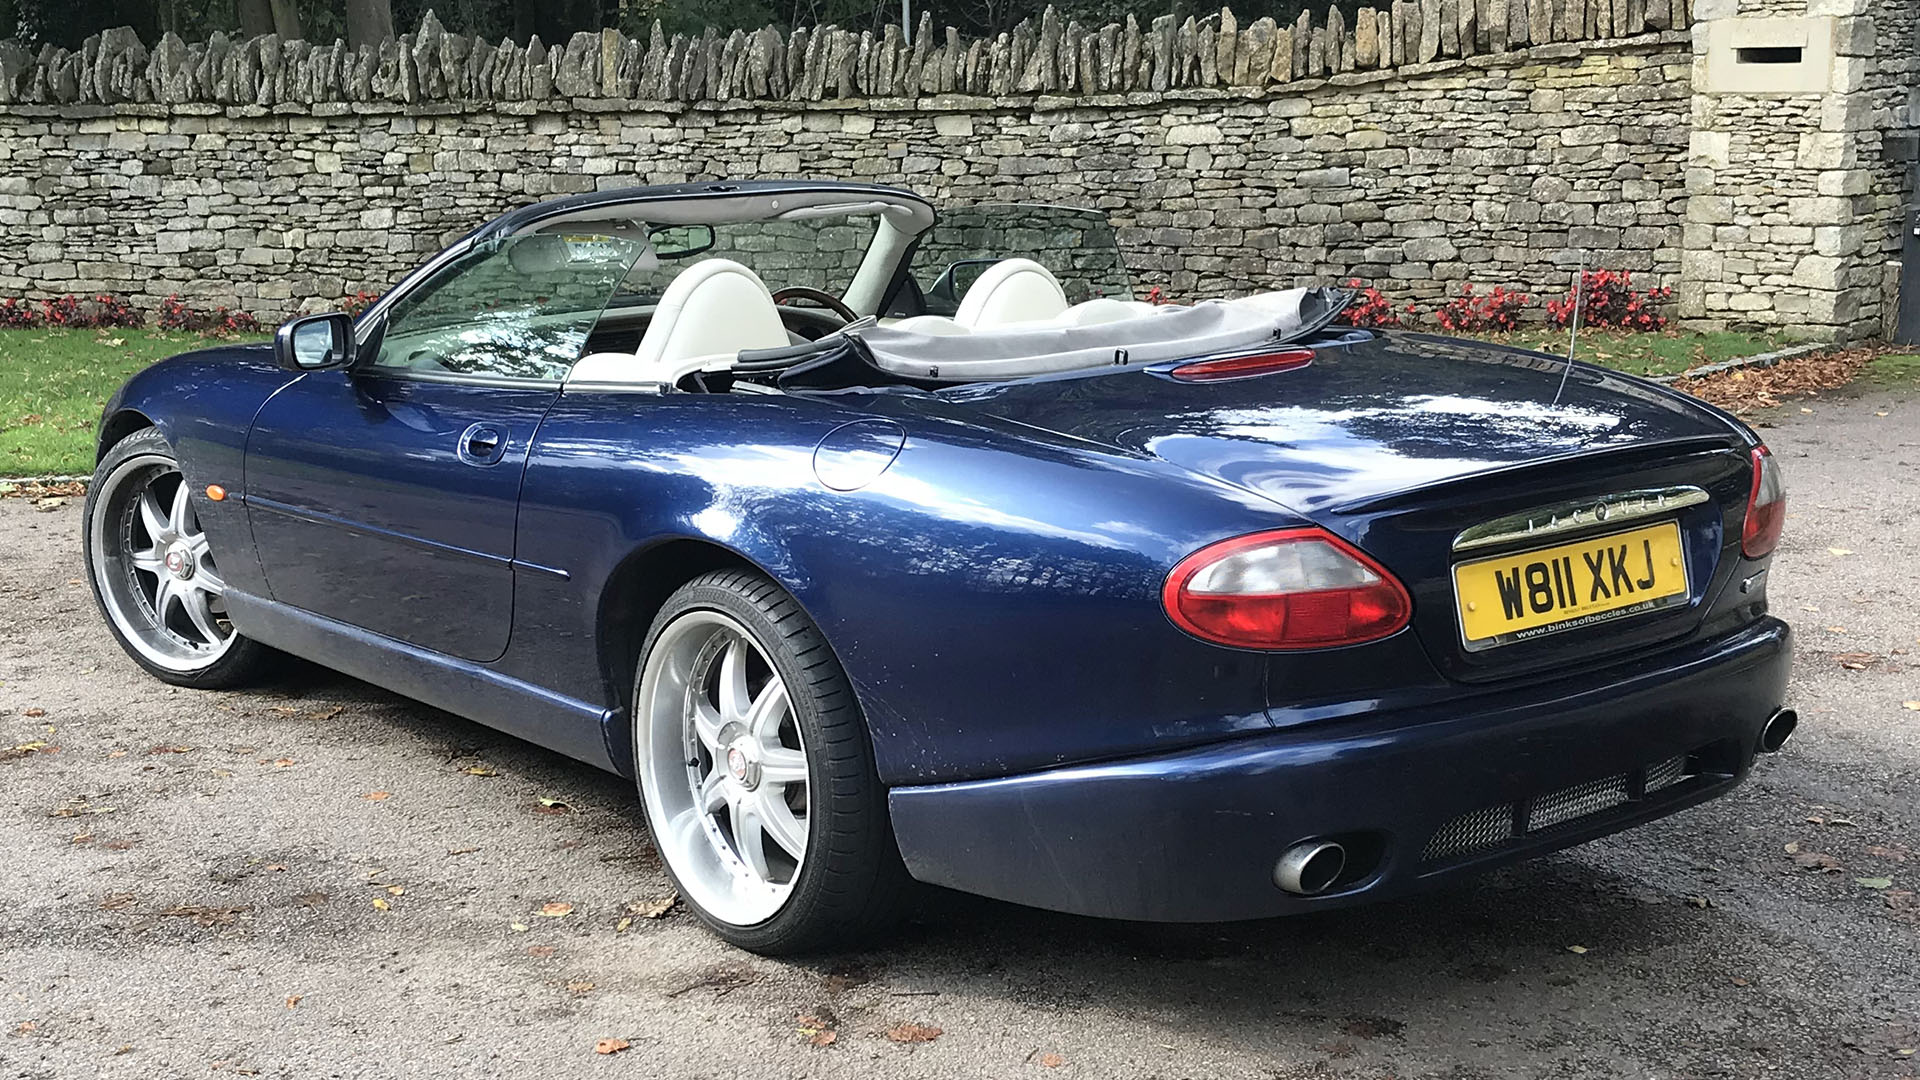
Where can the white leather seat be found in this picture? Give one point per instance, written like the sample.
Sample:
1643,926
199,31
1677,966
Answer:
1105,309
1011,291
936,325
710,311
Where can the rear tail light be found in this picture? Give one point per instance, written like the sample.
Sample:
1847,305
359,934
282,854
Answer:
1287,589
1766,507
1242,367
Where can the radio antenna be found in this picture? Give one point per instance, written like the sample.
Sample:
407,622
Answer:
1573,336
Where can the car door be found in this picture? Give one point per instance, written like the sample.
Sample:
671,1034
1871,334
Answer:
384,496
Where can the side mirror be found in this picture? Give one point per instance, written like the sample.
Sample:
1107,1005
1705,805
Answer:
315,342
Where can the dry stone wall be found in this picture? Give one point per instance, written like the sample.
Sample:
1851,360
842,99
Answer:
1421,145
1487,168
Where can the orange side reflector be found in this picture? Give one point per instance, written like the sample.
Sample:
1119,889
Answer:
216,492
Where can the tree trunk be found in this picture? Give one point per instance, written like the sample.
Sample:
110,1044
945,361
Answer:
286,20
256,17
369,22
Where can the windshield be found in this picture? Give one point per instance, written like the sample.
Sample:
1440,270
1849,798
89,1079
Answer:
817,252
1079,246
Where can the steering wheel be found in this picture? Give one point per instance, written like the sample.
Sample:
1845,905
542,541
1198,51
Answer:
819,296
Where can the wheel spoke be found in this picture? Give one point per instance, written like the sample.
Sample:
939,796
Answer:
150,560
153,516
194,603
208,581
768,711
713,792
182,511
778,821
749,837
163,594
735,700
779,765
706,725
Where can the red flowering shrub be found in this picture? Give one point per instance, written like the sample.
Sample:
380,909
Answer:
176,314
1611,302
18,314
60,311
362,300
233,322
1472,312
1370,310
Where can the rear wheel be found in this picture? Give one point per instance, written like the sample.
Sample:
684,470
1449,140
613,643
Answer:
154,573
757,774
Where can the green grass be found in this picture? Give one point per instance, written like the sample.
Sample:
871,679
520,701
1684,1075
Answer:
53,384
1668,352
1894,369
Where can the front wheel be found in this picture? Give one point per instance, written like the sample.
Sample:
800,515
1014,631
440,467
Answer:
155,574
757,774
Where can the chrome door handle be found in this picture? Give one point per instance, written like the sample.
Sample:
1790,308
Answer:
482,444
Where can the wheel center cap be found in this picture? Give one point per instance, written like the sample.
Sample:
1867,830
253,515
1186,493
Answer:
180,563
743,768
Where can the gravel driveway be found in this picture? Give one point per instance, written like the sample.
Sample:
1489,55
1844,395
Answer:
321,879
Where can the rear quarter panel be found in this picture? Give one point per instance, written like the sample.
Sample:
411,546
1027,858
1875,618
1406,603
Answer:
994,594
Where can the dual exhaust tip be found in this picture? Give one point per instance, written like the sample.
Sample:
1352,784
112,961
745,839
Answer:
1777,730
1311,867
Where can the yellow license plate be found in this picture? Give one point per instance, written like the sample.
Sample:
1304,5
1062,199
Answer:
1528,594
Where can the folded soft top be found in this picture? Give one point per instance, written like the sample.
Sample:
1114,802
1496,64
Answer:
1168,332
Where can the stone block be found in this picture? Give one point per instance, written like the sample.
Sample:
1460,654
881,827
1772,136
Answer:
1709,209
1820,210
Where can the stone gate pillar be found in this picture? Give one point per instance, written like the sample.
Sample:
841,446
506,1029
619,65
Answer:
1797,165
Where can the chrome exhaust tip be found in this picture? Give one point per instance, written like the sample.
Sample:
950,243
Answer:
1778,729
1310,867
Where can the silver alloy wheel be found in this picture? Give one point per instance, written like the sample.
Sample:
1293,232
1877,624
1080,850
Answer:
723,768
155,570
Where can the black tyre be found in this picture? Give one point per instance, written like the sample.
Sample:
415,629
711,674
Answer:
155,575
757,773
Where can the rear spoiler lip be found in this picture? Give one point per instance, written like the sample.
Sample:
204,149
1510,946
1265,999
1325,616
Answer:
1686,445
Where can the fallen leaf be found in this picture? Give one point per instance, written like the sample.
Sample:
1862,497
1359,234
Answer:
518,928
1874,882
823,1038
610,1046
910,1032
1699,902
1839,551
654,909
1051,1060
579,986
621,926
553,806
1816,860
555,909
282,763
1738,981
1578,950
378,796
1885,851
380,902
540,952
1913,705
293,1000
35,711
480,770
396,890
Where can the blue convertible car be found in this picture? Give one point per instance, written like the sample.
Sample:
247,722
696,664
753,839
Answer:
940,563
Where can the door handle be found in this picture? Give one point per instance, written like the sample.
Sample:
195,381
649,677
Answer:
482,444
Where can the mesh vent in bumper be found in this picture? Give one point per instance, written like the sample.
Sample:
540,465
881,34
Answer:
1493,827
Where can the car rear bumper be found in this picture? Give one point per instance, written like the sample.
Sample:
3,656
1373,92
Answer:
1418,797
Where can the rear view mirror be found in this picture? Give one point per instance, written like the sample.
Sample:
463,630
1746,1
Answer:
681,241
315,342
